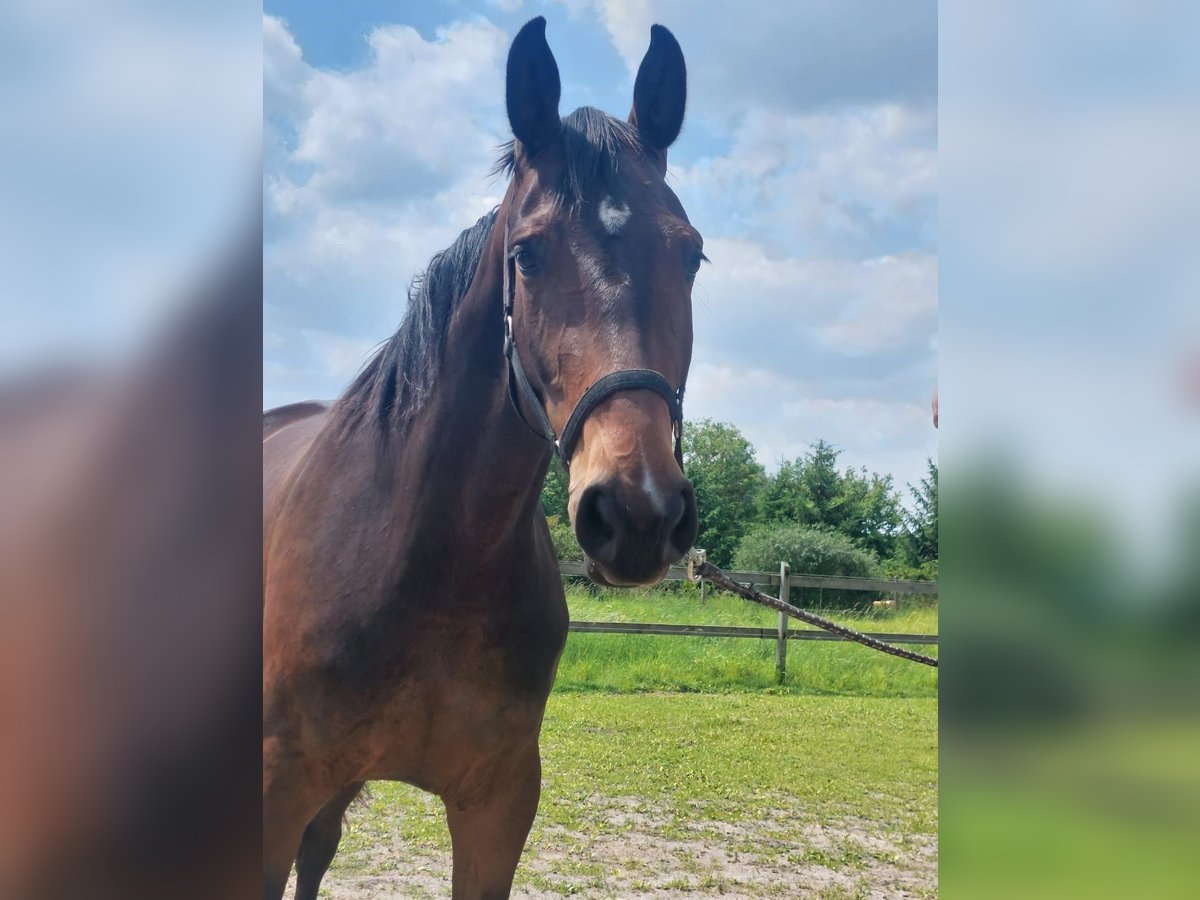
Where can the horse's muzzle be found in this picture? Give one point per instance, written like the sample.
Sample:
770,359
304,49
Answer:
631,536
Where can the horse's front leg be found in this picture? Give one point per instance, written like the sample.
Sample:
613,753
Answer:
291,797
490,813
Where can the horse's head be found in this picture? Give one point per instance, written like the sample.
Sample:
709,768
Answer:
599,270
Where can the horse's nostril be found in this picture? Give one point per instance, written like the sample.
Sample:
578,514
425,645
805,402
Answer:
595,526
675,511
683,534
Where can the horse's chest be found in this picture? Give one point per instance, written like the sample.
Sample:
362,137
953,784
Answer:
510,645
514,650
410,684
479,683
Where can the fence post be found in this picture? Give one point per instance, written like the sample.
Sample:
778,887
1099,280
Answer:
781,639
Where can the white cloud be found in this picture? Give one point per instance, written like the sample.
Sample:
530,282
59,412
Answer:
368,172
793,350
339,354
407,124
285,74
856,180
628,23
786,56
818,317
858,308
783,415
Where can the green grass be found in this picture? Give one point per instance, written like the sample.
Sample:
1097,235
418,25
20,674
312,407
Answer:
749,776
635,662
1102,808
678,764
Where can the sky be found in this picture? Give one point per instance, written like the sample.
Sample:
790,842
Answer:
808,160
129,151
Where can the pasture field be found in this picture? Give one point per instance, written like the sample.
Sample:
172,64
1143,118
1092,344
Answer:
676,767
638,662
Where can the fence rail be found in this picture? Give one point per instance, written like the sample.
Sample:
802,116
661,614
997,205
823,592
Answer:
741,631
771,579
782,581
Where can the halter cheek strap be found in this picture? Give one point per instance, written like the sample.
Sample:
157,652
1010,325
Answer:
519,388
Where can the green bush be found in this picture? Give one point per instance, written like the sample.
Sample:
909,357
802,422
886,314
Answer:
904,571
812,551
563,536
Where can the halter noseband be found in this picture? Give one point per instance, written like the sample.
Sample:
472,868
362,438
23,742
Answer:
605,387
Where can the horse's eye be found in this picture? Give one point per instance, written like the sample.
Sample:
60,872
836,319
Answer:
526,260
693,265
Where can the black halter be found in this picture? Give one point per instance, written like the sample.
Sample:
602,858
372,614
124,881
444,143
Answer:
613,382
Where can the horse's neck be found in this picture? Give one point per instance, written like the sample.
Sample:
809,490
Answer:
472,447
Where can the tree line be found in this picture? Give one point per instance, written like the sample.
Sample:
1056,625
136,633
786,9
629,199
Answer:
818,517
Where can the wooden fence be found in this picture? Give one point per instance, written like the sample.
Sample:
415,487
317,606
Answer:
781,583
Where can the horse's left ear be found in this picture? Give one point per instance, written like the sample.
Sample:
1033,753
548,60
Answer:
532,87
660,91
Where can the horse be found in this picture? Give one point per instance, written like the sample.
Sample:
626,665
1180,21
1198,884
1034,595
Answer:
413,610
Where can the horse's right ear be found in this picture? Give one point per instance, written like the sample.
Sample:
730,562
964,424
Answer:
532,88
660,91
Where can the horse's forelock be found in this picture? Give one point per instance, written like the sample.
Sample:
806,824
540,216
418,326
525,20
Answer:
592,143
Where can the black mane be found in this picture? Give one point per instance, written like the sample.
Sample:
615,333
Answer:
397,380
592,141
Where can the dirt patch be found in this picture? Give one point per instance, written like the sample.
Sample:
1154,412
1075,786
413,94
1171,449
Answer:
638,854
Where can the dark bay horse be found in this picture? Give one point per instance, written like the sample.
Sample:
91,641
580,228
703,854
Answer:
413,610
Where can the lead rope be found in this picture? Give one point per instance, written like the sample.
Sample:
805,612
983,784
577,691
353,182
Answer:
699,567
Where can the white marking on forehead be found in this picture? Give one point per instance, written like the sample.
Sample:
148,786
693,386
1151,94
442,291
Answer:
612,216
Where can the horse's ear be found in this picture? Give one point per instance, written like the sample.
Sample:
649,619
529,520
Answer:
660,91
532,87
